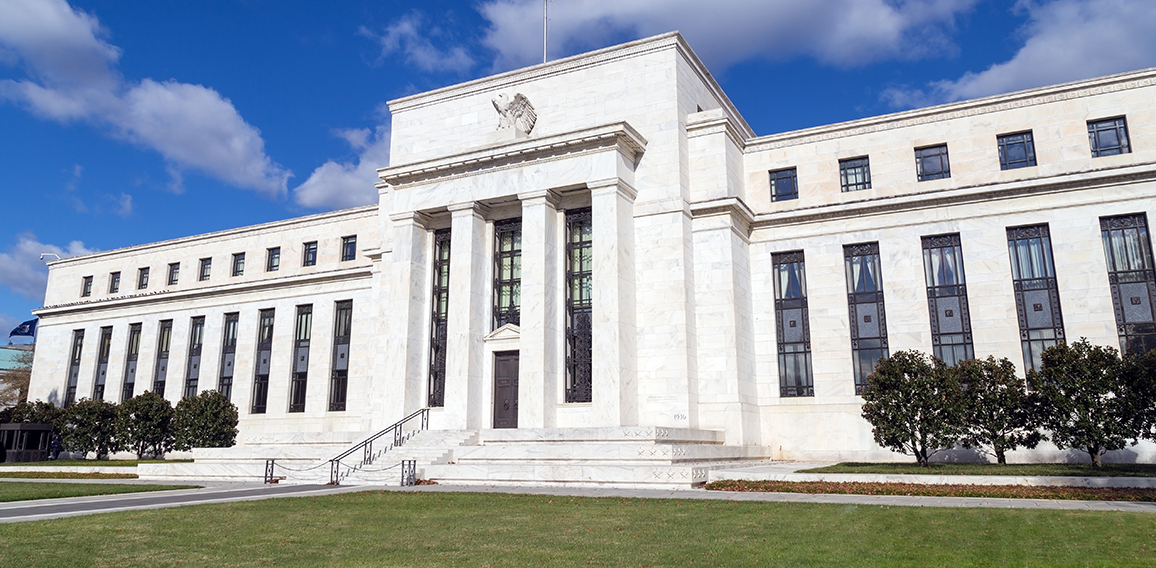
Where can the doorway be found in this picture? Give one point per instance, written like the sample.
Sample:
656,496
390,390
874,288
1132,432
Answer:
506,389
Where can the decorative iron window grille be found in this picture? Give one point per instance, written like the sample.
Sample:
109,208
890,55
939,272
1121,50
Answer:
855,174
102,349
264,355
867,314
1037,297
174,273
74,367
507,272
164,341
439,316
784,184
1016,150
947,298
129,384
342,332
228,355
579,306
1108,137
1128,250
301,336
193,366
792,327
932,163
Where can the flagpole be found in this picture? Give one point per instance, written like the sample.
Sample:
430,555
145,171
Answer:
545,27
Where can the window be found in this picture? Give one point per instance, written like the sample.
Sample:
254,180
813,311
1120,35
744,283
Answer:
300,375
348,248
164,341
174,273
272,259
342,330
784,185
142,278
931,163
855,174
193,368
228,355
238,264
102,350
867,315
206,269
947,298
791,326
579,306
1037,297
1128,250
1108,137
114,283
86,287
507,272
441,298
1016,150
130,362
309,256
264,352
74,367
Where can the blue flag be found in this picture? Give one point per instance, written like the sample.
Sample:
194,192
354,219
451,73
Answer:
27,328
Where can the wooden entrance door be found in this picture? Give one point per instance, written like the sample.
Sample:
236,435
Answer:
506,389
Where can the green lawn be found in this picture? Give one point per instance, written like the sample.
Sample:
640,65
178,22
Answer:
21,491
464,529
63,475
86,463
1061,469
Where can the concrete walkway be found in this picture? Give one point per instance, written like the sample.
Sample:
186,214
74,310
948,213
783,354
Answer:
789,471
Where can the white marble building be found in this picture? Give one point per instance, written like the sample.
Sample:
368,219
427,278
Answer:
651,225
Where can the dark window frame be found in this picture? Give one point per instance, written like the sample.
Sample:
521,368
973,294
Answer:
299,371
579,387
272,259
114,282
228,367
932,163
238,264
782,175
1099,129
205,270
74,359
164,345
865,300
263,360
174,274
1131,278
193,358
309,253
507,285
342,335
796,373
103,349
142,278
439,316
855,174
86,287
1034,339
1008,154
947,304
128,385
348,248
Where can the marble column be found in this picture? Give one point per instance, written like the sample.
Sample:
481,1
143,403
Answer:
540,373
404,311
615,388
468,319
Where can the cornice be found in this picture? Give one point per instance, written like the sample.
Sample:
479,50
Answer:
618,134
717,125
963,109
218,235
742,218
209,291
963,195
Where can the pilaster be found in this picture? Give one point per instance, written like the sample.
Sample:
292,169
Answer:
541,361
467,321
615,388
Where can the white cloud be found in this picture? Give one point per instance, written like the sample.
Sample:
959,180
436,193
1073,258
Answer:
72,75
1066,40
837,32
21,269
123,205
409,36
337,185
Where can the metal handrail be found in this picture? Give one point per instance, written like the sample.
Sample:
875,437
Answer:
366,446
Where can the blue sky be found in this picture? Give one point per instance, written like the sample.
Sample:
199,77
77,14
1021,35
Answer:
126,122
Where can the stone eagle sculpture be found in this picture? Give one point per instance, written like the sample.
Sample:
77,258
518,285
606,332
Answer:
516,112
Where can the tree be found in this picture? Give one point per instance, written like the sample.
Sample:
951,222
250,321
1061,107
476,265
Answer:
145,424
207,420
1138,374
1082,400
14,382
39,412
91,426
912,404
997,413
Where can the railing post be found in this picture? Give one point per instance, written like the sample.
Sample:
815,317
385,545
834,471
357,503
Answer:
397,435
334,466
269,471
408,473
367,453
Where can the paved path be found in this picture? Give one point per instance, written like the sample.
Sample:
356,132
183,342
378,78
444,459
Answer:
217,493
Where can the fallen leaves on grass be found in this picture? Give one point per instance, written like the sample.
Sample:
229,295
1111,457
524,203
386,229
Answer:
955,490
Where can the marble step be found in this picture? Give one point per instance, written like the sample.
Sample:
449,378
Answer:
638,434
582,475
623,453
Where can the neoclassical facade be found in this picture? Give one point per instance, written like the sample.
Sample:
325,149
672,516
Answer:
603,242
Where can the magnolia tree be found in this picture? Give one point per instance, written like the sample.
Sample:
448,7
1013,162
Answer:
146,424
996,413
91,426
207,420
912,403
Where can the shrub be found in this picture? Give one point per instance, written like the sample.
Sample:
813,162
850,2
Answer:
146,424
1138,374
39,412
912,404
1082,399
91,426
997,414
207,420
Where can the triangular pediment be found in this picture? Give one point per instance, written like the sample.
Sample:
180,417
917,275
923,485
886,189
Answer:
508,331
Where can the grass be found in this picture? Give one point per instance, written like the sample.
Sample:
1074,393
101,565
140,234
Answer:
64,475
468,529
88,463
947,490
18,491
1032,469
